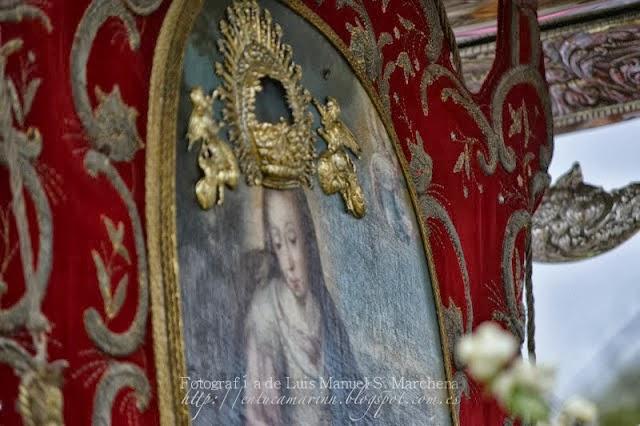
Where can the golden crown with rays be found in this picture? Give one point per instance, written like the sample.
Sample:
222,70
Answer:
277,155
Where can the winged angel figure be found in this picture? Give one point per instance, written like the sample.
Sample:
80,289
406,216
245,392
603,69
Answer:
216,159
336,170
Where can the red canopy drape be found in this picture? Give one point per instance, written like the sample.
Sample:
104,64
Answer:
72,227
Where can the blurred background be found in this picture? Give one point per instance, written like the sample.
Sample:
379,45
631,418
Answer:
588,311
587,297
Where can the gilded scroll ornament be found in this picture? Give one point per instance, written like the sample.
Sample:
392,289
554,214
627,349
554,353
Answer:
278,155
216,159
336,170
576,220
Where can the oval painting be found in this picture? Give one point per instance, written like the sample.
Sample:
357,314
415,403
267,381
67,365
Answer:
294,311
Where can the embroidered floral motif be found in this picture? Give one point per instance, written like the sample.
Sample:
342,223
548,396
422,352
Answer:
40,398
115,122
463,164
113,136
112,300
421,170
420,166
9,247
514,316
112,133
495,143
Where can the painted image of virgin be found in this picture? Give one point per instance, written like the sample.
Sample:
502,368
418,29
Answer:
292,328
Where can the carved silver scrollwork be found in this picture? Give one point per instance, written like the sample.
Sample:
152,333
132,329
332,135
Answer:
577,220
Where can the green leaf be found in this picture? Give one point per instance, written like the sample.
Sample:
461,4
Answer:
529,406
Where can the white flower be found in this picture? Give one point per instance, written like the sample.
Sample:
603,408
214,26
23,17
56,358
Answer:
503,385
522,376
533,376
577,411
521,389
486,351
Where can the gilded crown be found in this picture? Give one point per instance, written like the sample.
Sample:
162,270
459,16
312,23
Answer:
284,161
278,155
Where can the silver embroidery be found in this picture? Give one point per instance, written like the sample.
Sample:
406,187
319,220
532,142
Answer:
522,74
40,398
118,376
112,133
129,340
113,136
512,283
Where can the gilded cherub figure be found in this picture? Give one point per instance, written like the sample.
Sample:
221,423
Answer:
336,170
216,159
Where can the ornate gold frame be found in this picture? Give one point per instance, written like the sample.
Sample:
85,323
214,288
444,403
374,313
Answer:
166,314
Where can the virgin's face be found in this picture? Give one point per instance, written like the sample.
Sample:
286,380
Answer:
287,239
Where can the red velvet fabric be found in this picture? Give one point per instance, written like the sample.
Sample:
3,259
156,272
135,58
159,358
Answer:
79,201
480,217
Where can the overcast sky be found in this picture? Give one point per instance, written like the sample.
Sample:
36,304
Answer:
582,308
